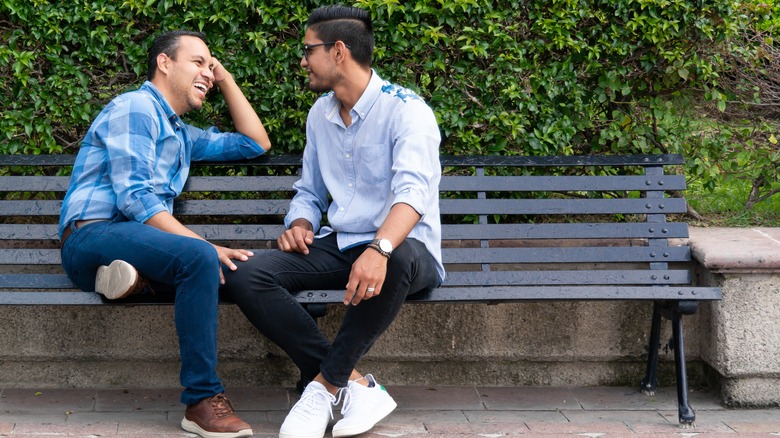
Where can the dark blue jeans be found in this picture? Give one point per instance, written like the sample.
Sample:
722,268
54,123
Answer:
261,287
188,266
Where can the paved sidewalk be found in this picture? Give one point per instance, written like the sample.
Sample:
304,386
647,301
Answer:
462,411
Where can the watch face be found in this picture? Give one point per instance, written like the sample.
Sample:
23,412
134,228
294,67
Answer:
385,245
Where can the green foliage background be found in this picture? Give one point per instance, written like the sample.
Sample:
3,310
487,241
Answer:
535,77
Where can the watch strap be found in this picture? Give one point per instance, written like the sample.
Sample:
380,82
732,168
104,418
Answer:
376,247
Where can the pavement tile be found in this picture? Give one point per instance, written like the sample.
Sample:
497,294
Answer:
436,398
748,427
102,428
478,429
110,400
699,400
396,428
514,416
672,425
262,398
528,398
118,417
27,399
624,398
602,427
401,417
30,417
6,428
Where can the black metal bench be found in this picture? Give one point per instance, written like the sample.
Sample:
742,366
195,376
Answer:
515,229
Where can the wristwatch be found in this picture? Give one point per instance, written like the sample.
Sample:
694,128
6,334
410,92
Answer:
383,246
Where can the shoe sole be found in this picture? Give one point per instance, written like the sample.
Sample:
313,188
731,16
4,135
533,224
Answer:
193,427
381,413
116,280
287,435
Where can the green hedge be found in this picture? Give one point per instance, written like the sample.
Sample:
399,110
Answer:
533,77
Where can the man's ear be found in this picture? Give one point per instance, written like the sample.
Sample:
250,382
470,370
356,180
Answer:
341,51
162,63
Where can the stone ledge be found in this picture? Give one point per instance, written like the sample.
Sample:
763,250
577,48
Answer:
736,250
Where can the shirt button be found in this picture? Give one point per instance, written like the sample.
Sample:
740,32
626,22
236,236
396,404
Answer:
341,209
347,155
349,185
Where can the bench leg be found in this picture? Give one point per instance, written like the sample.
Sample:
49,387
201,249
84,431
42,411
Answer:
686,414
649,383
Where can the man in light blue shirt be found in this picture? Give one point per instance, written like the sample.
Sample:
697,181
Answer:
116,219
371,164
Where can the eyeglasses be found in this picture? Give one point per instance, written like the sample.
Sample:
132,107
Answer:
307,48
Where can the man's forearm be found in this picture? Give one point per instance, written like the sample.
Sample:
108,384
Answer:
244,116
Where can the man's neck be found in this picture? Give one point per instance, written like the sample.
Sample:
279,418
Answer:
352,87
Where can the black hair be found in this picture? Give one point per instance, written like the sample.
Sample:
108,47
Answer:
168,43
348,24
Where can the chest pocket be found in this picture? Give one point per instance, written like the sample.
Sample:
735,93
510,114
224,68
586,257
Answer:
374,163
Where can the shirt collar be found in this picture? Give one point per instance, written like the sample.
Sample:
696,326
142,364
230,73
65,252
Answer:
370,95
169,112
366,101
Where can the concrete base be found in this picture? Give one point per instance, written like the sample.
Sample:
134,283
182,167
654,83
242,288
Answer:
557,344
743,345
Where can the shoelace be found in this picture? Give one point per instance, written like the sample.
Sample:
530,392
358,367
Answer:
310,400
348,395
222,406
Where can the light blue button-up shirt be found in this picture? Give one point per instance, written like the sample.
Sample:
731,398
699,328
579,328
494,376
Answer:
388,155
135,159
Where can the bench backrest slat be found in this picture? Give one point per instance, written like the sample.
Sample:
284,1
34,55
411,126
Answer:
561,183
562,206
222,232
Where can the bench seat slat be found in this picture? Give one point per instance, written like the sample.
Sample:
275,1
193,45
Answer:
568,277
536,293
438,295
567,255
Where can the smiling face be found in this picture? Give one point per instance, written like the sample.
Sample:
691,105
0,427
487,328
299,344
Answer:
186,76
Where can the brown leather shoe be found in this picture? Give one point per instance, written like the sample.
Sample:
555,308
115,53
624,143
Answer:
214,417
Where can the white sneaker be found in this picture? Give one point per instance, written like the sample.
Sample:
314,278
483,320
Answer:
310,416
118,280
363,407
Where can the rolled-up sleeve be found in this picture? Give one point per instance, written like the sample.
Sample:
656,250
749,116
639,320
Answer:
212,144
416,167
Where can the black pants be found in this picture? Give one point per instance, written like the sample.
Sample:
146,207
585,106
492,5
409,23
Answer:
261,287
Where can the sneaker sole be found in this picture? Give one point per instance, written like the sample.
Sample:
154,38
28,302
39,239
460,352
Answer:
193,427
116,280
382,412
288,435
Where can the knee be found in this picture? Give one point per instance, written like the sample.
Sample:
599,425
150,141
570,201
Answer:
249,277
199,254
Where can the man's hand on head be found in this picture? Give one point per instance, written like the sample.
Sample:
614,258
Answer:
219,71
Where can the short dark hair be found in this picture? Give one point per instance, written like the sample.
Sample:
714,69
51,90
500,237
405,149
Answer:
168,43
348,24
